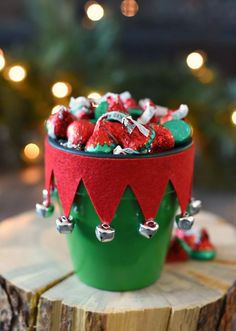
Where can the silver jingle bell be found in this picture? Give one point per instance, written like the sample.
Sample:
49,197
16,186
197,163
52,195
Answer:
195,206
148,229
184,222
43,210
104,233
64,224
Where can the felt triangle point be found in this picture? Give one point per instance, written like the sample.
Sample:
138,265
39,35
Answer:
106,179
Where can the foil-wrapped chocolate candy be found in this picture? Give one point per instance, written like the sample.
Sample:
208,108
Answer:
64,224
104,232
149,228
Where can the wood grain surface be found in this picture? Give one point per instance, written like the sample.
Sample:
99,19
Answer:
38,290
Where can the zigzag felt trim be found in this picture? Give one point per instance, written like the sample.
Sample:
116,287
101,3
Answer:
106,179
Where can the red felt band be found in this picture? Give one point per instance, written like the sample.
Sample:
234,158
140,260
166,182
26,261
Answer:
106,179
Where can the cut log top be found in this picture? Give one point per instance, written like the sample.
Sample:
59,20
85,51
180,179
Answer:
38,288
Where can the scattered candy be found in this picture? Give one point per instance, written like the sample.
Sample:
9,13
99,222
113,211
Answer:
176,252
203,248
195,243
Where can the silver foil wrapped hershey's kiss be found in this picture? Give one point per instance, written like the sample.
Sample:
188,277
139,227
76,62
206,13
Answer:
64,224
148,229
104,232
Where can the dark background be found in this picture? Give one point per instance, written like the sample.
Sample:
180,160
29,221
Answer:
146,54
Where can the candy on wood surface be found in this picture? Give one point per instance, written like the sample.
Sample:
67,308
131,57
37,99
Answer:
37,287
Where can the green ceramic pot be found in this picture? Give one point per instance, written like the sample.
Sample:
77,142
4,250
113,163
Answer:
130,261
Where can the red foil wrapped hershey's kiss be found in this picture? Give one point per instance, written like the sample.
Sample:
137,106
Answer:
163,140
115,104
58,122
78,132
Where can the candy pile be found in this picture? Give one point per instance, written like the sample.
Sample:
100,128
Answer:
195,244
118,124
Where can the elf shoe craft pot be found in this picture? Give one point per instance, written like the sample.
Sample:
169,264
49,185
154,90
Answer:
130,259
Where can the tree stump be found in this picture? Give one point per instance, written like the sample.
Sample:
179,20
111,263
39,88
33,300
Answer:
38,290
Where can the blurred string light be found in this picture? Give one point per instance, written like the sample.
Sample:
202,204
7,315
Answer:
94,95
129,8
94,11
195,60
31,175
61,89
233,117
16,73
205,75
31,151
2,60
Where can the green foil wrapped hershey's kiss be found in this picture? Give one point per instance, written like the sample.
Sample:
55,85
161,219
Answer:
180,130
135,112
101,109
101,148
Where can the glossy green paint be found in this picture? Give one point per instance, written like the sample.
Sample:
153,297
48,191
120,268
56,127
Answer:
180,130
128,262
197,255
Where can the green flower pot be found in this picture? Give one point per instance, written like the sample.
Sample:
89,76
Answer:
130,261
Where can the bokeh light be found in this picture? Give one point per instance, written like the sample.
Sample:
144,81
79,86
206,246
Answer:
233,117
61,89
31,151
94,11
94,95
2,60
16,73
205,75
195,60
31,175
129,8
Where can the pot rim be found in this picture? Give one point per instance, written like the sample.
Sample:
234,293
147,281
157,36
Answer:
54,143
